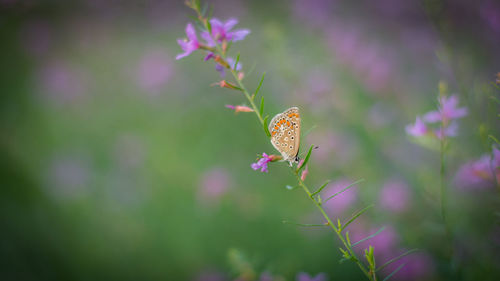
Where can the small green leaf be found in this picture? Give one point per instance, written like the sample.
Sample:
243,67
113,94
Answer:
369,257
260,83
495,99
345,254
347,238
356,215
346,188
265,126
197,4
306,159
396,259
493,138
204,9
209,27
369,237
237,61
394,272
320,188
261,110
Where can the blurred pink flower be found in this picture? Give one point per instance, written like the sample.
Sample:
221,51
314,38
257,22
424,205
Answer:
341,202
239,108
447,110
395,196
418,129
490,12
61,82
213,185
450,131
417,266
154,71
302,276
346,43
385,243
478,174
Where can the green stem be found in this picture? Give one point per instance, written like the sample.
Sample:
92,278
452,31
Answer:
444,201
235,75
442,180
371,276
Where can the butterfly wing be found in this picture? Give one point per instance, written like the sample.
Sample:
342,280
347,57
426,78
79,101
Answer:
285,133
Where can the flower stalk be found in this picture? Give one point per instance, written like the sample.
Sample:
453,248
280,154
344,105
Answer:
219,45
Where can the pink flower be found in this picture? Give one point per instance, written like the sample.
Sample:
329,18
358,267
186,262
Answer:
222,31
449,131
190,44
476,174
262,163
447,110
395,196
239,108
418,129
304,174
302,276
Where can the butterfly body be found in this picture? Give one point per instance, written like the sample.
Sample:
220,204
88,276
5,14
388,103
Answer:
285,134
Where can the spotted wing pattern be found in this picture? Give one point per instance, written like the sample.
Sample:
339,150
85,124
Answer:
285,133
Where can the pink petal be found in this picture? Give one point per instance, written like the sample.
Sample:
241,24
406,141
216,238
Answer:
432,117
191,33
230,23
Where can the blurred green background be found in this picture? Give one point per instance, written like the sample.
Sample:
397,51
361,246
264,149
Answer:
121,163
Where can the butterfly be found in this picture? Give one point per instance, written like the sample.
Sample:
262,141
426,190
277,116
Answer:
285,134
